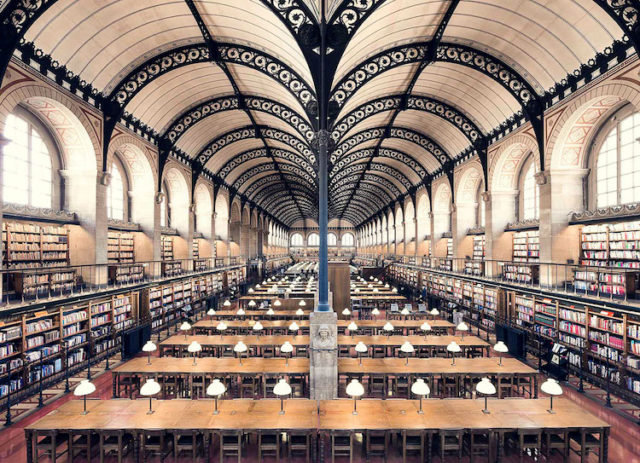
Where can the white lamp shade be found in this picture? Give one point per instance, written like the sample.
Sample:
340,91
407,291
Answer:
361,347
226,303
355,389
194,347
551,387
462,326
240,347
252,303
375,290
352,326
150,387
211,312
376,280
386,285
501,347
264,282
221,326
371,277
240,311
250,291
294,327
216,388
185,326
357,290
453,347
270,311
286,348
299,312
388,326
346,312
370,285
407,347
85,387
375,312
257,327
434,311
149,346
405,311
282,388
257,286
420,387
277,303
425,327
302,303
394,290
485,387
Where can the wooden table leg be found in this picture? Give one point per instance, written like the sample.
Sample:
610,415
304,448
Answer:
604,445
535,386
28,435
116,379
136,446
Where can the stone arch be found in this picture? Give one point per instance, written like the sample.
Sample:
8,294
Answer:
467,181
409,218
222,216
203,202
423,210
442,209
179,197
507,160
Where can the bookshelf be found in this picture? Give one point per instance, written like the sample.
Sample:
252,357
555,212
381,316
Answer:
29,246
170,269
526,246
120,247
612,245
195,248
166,247
124,274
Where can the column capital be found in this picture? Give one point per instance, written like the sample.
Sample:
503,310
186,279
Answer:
565,173
159,197
541,177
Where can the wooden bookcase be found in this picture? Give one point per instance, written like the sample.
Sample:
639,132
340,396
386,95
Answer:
166,247
120,247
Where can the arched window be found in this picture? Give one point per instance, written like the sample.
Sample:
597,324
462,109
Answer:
529,192
115,195
347,240
332,240
617,169
296,240
313,239
27,171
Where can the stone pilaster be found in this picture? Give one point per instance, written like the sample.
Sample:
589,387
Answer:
3,142
500,207
323,355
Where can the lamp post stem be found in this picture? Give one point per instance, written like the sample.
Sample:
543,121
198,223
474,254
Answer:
500,360
281,406
215,411
420,411
149,359
84,405
150,409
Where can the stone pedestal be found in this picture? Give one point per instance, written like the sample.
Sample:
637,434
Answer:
323,355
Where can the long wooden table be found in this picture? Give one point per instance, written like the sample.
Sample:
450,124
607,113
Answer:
136,370
261,314
433,343
178,344
301,415
436,370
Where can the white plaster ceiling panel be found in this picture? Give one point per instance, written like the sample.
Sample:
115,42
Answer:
442,132
255,178
365,144
166,97
395,22
250,22
390,82
423,156
377,120
277,144
477,95
208,129
269,120
97,39
400,166
547,38
245,166
252,82
222,156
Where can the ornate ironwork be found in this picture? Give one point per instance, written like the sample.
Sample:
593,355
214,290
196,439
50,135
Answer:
270,166
352,13
291,156
373,166
390,153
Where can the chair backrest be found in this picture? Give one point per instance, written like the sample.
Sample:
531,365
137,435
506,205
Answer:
394,307
408,307
422,308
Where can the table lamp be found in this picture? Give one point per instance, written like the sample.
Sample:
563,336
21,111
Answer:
355,390
553,388
282,389
186,326
226,303
453,347
148,348
376,290
486,388
375,312
250,291
216,389
386,285
462,327
277,303
376,280
405,312
357,290
434,312
257,327
361,348
370,285
252,303
302,304
83,389
239,349
388,328
240,312
346,312
211,313
270,311
408,349
371,277
421,389
501,348
299,312
194,348
294,327
425,327
149,389
286,348
352,327
222,326
394,290
258,286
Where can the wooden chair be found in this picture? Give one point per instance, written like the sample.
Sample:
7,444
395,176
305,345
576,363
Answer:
449,386
298,385
525,385
412,443
377,443
401,386
341,445
451,441
248,386
230,445
115,441
198,386
527,439
83,442
556,439
505,386
478,443
268,444
47,443
588,442
377,384
187,441
154,443
299,443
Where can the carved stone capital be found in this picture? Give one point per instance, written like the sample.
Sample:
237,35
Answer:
541,178
159,197
486,196
105,178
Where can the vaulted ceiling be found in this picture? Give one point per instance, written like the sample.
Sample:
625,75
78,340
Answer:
234,85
